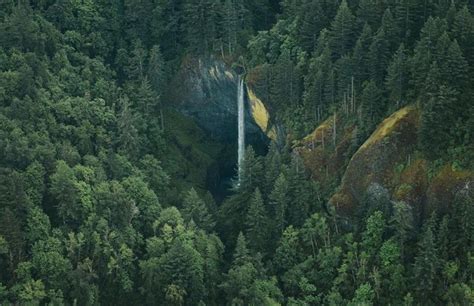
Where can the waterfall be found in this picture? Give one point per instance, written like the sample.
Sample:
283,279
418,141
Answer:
241,127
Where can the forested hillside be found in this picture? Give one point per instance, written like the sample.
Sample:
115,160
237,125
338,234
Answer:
364,195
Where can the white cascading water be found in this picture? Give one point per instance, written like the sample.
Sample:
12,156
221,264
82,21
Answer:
241,128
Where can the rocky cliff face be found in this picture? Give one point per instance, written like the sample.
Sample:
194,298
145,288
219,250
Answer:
386,166
206,90
374,165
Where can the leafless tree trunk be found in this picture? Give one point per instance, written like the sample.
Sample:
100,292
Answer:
352,94
162,119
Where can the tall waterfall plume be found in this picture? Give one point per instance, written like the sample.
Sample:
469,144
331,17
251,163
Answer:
241,127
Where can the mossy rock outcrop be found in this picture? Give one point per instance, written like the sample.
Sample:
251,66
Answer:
375,162
410,181
388,159
324,155
445,186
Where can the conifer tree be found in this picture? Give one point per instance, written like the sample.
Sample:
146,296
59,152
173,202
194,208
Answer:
259,13
278,204
241,253
145,102
231,25
372,237
172,18
136,67
437,120
443,240
409,18
273,164
252,172
127,125
138,18
256,223
379,57
64,187
403,224
315,233
182,266
432,82
299,191
364,295
201,25
367,13
463,32
323,42
315,95
424,52
286,81
288,252
442,7
462,224
344,72
360,57
342,31
330,88
392,272
426,263
397,77
313,20
156,70
391,30
372,105
196,210
458,74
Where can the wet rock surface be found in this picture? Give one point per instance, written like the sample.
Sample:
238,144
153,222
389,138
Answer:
206,90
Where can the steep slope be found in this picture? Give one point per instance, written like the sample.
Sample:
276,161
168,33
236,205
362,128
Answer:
326,151
206,90
375,162
387,163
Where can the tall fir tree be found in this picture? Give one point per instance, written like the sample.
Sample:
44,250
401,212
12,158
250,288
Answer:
424,52
313,20
458,74
372,106
195,209
367,13
278,204
379,57
402,222
256,223
315,95
201,20
157,70
426,263
391,30
463,32
361,57
230,26
437,121
396,80
241,253
342,31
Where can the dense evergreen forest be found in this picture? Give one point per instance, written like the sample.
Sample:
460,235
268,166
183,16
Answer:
103,193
